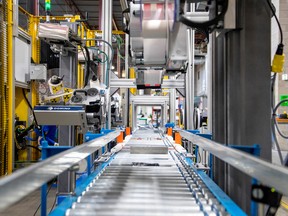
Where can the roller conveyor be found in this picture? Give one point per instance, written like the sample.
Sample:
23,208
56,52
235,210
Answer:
144,180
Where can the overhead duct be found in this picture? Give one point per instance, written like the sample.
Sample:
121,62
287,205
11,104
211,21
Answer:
148,32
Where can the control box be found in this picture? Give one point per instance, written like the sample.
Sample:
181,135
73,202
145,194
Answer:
38,72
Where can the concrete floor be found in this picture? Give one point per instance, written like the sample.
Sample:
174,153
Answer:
28,205
283,211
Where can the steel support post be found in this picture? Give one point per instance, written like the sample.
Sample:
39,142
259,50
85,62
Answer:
68,69
209,83
172,104
218,105
67,134
165,114
241,83
134,116
189,82
35,54
107,36
127,92
11,86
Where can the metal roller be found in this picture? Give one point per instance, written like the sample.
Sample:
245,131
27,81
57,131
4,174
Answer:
112,212
140,207
120,194
107,182
140,189
147,184
153,201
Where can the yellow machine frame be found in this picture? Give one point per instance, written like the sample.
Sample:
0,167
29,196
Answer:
8,80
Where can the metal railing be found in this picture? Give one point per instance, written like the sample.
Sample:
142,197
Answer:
267,173
16,186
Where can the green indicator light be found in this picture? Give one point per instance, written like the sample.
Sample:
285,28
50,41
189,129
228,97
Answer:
48,5
273,190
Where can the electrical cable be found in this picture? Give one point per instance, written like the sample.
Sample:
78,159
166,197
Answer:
53,205
277,66
111,59
278,105
31,139
34,147
87,69
275,124
273,120
279,57
46,196
27,101
87,65
100,40
22,128
268,211
271,6
101,52
273,81
276,142
278,129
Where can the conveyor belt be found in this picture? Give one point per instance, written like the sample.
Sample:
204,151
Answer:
147,184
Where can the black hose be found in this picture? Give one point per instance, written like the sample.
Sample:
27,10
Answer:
34,147
277,106
195,118
274,123
87,65
274,118
127,10
277,20
27,101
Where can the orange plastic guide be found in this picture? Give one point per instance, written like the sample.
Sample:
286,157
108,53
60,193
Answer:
128,131
178,138
169,131
119,139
